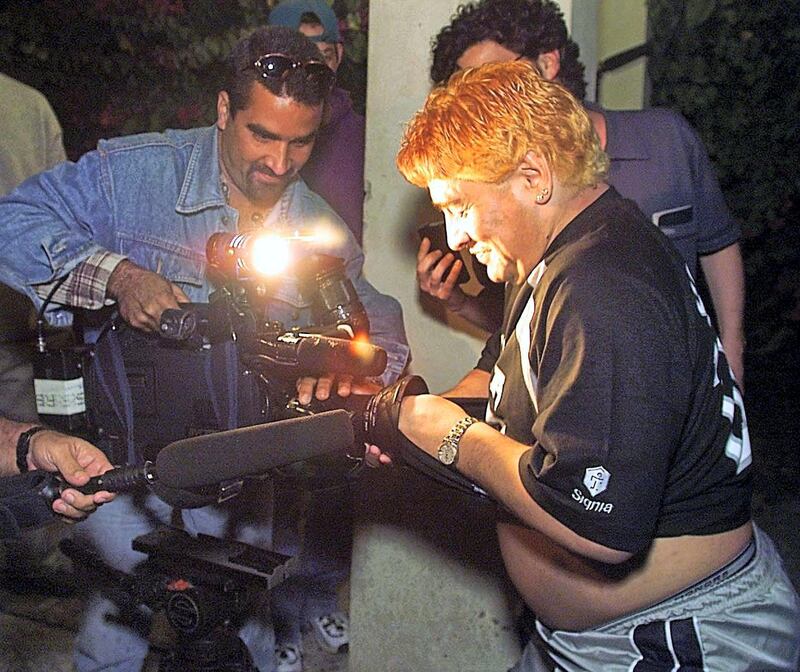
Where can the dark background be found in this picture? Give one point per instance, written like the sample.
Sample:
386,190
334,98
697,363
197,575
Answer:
732,68
114,67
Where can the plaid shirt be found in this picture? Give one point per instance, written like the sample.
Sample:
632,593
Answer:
85,286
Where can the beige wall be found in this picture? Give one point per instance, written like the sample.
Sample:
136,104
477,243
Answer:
622,24
399,59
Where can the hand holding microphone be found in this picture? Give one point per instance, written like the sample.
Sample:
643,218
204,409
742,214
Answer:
208,460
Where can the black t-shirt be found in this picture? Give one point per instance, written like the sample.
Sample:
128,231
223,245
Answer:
611,371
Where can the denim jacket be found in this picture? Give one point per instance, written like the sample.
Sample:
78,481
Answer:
156,198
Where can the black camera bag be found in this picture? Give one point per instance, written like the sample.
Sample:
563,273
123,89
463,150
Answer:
143,392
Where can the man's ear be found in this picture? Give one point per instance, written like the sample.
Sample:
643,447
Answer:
223,110
339,54
537,175
549,64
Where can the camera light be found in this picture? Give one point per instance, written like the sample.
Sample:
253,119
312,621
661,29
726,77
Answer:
361,346
269,255
266,253
242,255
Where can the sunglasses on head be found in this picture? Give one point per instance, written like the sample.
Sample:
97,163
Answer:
278,66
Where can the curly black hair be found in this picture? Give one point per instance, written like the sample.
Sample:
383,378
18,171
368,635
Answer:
526,27
240,73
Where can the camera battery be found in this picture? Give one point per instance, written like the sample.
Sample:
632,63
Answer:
58,384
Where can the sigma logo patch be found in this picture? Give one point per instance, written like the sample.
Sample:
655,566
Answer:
596,480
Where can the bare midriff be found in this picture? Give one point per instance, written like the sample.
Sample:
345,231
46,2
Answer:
570,592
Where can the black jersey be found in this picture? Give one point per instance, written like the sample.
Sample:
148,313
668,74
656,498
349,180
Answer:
611,371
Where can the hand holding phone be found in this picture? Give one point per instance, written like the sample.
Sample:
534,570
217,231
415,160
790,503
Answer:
436,233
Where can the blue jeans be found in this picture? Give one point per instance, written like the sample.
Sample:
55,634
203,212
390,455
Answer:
317,527
101,643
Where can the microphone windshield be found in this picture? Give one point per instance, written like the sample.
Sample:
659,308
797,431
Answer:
252,451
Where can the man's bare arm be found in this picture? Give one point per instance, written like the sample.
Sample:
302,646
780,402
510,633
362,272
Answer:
492,460
474,384
724,273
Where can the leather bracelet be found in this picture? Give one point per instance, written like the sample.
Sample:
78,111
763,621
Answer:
24,445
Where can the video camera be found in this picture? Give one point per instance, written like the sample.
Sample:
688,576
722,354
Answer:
219,380
243,266
226,363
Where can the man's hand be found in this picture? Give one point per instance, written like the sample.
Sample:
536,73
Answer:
375,457
309,388
433,275
77,461
142,295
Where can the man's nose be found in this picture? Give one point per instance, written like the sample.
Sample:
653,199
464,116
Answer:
456,236
278,159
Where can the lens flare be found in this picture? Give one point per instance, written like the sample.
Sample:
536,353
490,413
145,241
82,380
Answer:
269,255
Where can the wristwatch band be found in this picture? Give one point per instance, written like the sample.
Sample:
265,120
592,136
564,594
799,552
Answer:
24,445
448,448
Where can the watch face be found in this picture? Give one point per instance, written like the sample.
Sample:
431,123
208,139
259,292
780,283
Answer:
447,453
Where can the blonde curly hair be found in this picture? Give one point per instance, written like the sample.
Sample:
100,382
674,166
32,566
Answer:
480,124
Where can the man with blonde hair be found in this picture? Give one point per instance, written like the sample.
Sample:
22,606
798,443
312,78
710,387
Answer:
656,160
615,438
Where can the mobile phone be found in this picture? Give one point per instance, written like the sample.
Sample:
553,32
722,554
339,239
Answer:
436,233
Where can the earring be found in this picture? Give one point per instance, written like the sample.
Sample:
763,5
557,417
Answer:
542,195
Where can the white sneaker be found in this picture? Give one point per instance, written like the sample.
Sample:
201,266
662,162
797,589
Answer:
288,658
332,632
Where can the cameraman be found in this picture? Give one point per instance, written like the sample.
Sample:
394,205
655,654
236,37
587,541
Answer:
129,223
24,447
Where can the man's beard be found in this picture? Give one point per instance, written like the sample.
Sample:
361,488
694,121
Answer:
263,194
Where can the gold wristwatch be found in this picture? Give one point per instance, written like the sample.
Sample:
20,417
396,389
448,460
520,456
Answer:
448,448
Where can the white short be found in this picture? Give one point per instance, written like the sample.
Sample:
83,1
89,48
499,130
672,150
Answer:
745,618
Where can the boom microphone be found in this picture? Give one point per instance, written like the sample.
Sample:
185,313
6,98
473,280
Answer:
234,454
251,451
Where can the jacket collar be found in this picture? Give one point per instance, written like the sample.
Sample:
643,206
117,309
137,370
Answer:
201,186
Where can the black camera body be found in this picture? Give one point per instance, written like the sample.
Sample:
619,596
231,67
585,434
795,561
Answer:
221,365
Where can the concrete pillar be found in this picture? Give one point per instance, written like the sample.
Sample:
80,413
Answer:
428,592
427,587
399,63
